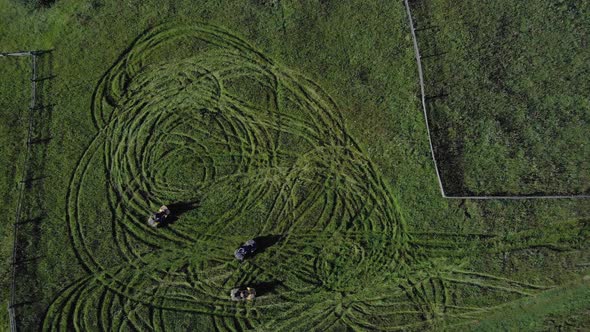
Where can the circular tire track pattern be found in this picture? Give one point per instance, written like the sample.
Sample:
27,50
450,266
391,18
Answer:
195,114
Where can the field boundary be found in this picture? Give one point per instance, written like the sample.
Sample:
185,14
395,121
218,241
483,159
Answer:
22,182
426,120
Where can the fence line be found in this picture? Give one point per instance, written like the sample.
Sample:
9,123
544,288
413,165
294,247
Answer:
423,94
23,180
15,54
426,119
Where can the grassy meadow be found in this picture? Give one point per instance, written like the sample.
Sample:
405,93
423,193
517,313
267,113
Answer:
510,105
297,123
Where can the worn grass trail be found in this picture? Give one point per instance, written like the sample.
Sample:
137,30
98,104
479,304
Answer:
195,116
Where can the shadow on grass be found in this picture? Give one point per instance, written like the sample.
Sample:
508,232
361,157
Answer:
178,209
265,288
265,242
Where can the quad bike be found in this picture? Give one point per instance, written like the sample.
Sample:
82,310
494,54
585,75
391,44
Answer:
159,217
245,250
243,294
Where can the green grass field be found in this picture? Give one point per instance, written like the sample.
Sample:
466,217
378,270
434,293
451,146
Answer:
297,123
516,116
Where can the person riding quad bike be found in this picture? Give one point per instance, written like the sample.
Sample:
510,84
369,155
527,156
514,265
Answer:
159,217
241,294
245,250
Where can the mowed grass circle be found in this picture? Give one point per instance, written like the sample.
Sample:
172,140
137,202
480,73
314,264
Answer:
193,114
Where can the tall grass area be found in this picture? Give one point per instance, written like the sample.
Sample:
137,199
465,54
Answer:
514,121
515,112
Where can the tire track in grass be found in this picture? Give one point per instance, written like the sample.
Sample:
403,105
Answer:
263,150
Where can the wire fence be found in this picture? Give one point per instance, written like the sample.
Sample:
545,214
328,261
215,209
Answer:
19,53
24,177
430,142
